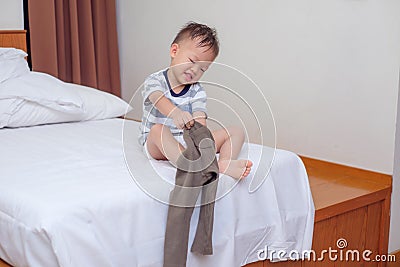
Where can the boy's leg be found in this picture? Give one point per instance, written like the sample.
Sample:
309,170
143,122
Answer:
229,142
162,145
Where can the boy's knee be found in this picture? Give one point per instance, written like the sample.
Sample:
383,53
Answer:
157,129
236,131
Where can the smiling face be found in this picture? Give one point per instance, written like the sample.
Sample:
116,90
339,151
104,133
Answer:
188,62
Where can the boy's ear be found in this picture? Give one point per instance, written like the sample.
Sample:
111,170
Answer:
173,50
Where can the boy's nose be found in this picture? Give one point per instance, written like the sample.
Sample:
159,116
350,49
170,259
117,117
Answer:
195,68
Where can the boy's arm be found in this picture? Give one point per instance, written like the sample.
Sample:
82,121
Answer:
167,108
199,104
163,104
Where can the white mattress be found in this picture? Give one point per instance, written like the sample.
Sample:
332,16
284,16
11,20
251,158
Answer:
67,198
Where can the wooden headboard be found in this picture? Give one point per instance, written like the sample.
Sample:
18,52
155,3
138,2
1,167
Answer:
13,38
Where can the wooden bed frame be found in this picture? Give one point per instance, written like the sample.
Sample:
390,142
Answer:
15,38
350,203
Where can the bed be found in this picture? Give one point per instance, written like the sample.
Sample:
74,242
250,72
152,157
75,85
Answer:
73,190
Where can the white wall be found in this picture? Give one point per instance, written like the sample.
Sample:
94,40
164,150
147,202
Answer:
329,69
11,15
394,239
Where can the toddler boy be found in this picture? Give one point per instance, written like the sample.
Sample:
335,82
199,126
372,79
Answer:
174,99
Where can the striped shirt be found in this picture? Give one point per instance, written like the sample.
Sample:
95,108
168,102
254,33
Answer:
192,98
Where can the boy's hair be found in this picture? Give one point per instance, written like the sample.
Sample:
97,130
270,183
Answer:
206,35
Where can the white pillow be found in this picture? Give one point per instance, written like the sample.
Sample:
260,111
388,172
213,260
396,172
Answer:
7,108
12,68
96,105
11,53
12,63
42,89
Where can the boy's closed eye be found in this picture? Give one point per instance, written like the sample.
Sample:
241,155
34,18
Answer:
193,62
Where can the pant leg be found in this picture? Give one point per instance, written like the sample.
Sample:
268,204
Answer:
190,177
182,201
202,242
204,141
177,234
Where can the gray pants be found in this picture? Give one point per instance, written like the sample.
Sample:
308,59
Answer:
197,170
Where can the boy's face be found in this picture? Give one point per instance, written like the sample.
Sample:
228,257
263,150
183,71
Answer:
189,61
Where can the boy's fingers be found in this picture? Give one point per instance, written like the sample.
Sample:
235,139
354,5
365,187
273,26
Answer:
189,124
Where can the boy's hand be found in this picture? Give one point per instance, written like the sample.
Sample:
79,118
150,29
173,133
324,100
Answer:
182,119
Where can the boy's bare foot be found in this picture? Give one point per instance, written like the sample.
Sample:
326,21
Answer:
237,169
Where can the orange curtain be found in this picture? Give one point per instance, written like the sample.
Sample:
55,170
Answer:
76,41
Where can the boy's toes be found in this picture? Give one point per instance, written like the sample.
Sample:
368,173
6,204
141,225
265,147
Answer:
247,169
246,172
235,168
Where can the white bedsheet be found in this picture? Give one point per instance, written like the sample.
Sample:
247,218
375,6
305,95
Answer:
67,198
